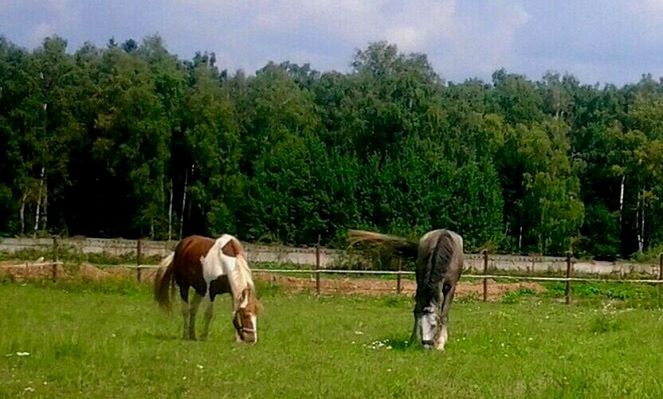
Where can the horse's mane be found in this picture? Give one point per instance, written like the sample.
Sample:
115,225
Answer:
242,273
240,277
444,250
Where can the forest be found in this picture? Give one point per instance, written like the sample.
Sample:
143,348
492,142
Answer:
131,141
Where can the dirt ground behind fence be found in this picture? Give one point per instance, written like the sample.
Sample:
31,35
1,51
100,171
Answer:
338,284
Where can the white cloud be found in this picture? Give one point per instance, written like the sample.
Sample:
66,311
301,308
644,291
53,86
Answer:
609,40
355,22
458,43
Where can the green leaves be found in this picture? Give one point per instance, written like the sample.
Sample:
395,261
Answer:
129,140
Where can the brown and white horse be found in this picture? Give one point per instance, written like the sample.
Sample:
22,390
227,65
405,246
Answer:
439,264
210,267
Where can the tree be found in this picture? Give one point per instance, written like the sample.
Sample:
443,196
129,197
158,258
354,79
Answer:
212,153
132,140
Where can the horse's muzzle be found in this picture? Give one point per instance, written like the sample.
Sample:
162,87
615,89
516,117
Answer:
428,344
249,335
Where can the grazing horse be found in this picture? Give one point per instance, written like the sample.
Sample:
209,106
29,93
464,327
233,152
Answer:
439,264
211,267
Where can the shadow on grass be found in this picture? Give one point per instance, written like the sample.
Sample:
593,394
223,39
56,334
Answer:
162,336
397,343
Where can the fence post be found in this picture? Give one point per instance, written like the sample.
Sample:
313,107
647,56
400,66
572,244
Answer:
317,266
567,290
398,277
55,258
485,272
139,249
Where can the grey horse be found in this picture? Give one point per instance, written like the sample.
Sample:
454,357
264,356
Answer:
439,264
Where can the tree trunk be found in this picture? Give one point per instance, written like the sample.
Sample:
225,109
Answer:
39,195
44,214
186,180
639,220
170,212
621,199
641,241
24,198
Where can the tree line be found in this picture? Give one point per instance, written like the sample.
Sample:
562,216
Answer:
130,140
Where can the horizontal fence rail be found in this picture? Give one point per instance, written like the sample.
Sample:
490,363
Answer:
56,244
382,273
317,256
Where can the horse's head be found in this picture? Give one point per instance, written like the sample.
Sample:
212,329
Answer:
245,317
428,324
431,316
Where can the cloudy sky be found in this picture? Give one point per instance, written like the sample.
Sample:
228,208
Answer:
604,41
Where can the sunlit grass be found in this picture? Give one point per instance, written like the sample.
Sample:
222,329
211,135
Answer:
110,340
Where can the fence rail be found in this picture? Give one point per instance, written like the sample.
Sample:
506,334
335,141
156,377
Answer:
485,276
317,256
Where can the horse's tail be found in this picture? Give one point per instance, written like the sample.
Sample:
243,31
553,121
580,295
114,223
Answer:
401,245
165,279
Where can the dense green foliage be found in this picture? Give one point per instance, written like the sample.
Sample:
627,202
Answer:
101,340
129,140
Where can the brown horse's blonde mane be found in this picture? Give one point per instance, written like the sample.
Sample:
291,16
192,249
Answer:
242,269
241,278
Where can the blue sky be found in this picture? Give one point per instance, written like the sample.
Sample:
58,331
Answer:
598,41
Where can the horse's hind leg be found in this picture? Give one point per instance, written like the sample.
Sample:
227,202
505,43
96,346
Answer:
185,316
193,310
184,295
209,313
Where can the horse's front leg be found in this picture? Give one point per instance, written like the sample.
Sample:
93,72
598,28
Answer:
442,334
209,314
416,331
193,310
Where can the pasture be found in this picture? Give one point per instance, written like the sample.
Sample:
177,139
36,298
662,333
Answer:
108,339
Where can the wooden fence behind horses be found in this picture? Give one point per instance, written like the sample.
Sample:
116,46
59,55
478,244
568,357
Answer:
317,270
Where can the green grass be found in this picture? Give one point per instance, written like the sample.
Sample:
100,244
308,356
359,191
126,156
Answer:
109,340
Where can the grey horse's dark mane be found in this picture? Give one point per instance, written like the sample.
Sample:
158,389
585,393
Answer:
440,258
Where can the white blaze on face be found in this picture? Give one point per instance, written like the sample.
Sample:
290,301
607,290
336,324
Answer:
254,321
428,324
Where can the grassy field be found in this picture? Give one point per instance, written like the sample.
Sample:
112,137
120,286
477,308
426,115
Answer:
108,340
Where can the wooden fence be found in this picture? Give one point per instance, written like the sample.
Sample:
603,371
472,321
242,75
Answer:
318,271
